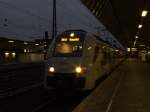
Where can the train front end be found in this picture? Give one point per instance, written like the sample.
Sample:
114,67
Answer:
64,67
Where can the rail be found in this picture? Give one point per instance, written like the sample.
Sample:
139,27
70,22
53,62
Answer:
20,76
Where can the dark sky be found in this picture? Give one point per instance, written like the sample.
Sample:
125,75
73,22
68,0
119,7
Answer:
28,19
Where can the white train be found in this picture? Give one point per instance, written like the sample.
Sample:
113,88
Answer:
78,59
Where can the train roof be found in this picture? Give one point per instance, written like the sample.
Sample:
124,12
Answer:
97,37
75,30
106,42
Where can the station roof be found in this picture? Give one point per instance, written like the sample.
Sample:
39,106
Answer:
27,20
122,18
7,44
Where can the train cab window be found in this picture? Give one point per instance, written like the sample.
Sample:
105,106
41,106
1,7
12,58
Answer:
68,49
68,45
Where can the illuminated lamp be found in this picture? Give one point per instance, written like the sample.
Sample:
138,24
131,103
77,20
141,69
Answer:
13,54
36,44
136,37
11,41
140,26
7,54
144,13
78,69
51,69
25,43
72,34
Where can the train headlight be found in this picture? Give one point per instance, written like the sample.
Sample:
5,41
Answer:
51,69
78,69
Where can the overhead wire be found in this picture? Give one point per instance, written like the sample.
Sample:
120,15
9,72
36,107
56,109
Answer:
22,10
70,13
9,22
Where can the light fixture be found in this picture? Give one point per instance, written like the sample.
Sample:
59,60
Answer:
134,49
117,50
89,48
25,50
78,69
136,37
72,34
36,44
7,54
25,43
144,13
142,45
140,26
51,69
11,41
128,49
13,54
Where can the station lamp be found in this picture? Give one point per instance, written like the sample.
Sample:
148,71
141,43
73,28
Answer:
13,54
25,50
136,37
78,69
25,43
7,54
72,34
140,26
142,45
36,44
134,49
128,49
11,41
51,69
144,13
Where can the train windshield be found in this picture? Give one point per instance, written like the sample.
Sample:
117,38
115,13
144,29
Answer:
67,49
69,45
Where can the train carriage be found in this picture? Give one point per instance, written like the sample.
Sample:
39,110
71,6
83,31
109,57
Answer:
78,59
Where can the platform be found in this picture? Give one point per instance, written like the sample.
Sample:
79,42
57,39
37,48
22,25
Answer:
127,89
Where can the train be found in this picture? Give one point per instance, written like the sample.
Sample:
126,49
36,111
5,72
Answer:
78,59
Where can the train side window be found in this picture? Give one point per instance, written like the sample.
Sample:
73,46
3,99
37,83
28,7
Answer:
105,56
96,51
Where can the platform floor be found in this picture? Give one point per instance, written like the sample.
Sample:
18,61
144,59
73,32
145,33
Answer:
127,89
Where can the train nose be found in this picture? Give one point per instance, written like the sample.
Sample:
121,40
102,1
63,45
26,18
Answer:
65,66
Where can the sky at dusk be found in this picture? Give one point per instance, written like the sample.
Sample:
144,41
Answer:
28,19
